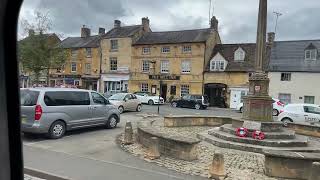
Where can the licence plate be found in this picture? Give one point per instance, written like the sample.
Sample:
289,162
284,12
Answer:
23,120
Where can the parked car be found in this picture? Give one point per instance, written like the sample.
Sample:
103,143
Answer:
192,101
126,102
277,107
148,98
55,110
300,113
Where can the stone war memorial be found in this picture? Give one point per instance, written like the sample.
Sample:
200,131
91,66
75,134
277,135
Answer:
251,147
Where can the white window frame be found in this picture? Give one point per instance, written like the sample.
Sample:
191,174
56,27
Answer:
185,66
165,49
145,66
111,65
87,70
184,89
144,87
146,50
73,63
218,65
114,45
305,97
164,66
88,52
311,52
239,54
187,49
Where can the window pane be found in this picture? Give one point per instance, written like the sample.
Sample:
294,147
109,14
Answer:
285,98
144,87
184,90
66,98
145,66
165,49
145,50
113,64
114,44
164,66
28,98
309,99
185,66
73,67
88,52
186,49
97,98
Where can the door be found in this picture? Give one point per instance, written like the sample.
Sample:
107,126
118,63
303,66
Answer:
164,92
235,98
99,108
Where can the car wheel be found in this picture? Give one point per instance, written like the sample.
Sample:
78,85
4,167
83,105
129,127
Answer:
121,109
241,110
174,104
150,102
285,121
197,106
139,107
275,112
57,130
112,122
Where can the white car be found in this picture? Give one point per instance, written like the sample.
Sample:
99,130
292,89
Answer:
277,107
148,98
300,113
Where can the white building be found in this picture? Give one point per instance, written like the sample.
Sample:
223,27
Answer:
294,71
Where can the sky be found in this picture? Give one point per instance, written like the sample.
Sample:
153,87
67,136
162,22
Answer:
237,18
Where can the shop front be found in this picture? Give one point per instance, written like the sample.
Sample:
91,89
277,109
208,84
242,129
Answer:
65,80
216,93
114,83
90,82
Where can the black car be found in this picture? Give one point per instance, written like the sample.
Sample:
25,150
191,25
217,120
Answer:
192,101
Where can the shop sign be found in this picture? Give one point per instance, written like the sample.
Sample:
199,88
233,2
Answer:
164,77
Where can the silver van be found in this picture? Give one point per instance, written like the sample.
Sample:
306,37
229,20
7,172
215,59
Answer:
54,111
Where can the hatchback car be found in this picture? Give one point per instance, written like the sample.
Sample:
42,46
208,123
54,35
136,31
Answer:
148,98
300,113
126,102
53,111
192,101
277,107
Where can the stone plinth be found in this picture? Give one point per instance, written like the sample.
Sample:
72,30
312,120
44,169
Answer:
257,108
153,151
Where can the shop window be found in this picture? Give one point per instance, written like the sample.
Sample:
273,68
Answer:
144,87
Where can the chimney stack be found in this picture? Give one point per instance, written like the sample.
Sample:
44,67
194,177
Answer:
102,31
85,32
31,32
271,37
117,23
146,24
214,23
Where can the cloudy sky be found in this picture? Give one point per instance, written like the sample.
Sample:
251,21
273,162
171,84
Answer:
237,18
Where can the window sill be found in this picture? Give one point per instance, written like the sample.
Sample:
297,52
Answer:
185,72
113,50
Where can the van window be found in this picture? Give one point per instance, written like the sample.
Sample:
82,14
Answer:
66,98
28,97
97,98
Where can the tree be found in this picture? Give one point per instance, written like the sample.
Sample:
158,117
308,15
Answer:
40,52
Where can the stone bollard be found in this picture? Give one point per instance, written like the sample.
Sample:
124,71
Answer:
315,171
153,151
217,169
128,133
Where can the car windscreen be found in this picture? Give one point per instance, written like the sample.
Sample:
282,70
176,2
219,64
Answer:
28,97
66,98
117,97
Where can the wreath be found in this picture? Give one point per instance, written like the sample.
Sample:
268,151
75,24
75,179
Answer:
258,135
242,132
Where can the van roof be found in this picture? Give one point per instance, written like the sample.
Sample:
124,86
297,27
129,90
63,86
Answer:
55,89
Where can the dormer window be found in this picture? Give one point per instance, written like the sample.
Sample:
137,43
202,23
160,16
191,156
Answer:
239,54
311,52
218,63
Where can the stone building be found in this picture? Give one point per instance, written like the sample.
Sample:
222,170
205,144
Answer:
82,67
117,54
174,59
294,71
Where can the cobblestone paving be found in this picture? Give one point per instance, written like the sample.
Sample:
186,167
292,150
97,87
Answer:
27,177
239,165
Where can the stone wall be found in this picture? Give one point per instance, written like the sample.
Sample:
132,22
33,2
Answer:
171,145
195,120
304,129
284,164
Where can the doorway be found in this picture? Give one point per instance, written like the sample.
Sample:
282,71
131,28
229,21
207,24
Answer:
217,94
163,92
236,96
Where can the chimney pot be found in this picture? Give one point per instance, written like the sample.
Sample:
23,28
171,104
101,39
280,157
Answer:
102,31
214,23
85,32
117,23
146,24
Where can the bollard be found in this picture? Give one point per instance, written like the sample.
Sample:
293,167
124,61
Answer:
315,171
217,169
153,151
128,133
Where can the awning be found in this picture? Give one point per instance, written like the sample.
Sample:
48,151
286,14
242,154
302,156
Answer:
119,77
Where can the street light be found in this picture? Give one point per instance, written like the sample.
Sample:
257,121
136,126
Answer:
153,62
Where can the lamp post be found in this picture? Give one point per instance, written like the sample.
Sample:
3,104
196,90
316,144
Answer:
160,86
154,73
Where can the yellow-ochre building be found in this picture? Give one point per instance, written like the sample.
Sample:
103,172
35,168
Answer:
172,63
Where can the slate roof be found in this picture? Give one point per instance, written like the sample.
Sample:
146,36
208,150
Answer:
227,51
172,37
289,56
79,42
123,31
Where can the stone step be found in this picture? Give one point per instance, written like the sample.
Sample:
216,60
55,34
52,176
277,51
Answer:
299,141
285,134
204,136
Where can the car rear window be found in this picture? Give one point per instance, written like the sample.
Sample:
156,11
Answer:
66,98
28,97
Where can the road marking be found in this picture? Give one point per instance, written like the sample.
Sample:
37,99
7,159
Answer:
113,163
